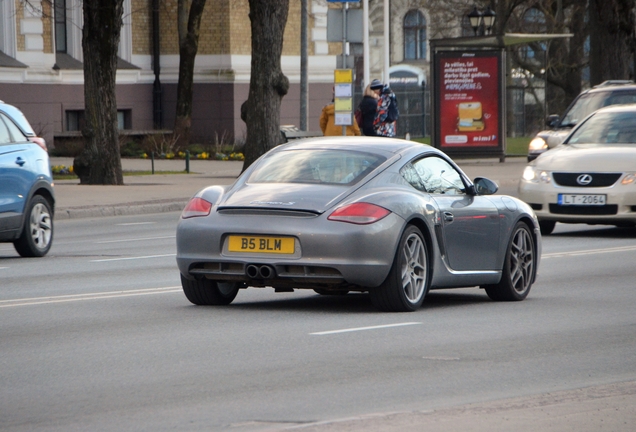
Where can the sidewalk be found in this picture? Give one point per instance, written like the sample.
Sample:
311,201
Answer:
140,194
171,192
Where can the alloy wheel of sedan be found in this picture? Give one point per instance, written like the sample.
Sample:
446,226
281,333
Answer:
519,267
407,283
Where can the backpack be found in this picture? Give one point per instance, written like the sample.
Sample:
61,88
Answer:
393,112
357,114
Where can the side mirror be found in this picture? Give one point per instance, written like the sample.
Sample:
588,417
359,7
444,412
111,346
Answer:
484,186
552,121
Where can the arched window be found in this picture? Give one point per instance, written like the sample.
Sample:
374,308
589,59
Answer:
414,35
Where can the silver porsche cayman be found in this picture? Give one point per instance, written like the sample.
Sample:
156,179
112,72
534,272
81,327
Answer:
389,217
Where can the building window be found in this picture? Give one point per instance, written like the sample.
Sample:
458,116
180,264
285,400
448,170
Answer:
414,35
124,119
7,28
74,120
60,26
466,28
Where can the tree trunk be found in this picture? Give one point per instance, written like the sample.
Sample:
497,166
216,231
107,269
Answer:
100,162
567,58
268,85
189,23
611,39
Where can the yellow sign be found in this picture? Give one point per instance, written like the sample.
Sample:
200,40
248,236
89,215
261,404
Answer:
343,76
343,104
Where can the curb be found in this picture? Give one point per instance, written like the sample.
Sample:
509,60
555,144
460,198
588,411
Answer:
119,210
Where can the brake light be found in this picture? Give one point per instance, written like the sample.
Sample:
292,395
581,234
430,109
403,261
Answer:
197,207
359,213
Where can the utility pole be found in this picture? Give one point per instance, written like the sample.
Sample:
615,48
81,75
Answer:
304,93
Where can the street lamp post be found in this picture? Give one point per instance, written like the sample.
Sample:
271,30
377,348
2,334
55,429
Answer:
482,22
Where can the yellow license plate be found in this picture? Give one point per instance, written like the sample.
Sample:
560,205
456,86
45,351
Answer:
278,245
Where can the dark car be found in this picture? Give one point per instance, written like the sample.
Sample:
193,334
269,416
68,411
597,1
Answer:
27,200
602,95
390,217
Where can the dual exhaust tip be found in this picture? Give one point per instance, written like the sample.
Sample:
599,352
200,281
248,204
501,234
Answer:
254,271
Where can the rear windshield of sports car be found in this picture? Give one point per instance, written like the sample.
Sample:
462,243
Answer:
338,167
607,128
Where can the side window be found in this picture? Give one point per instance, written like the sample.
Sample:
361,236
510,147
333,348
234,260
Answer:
16,134
621,98
412,177
439,177
5,136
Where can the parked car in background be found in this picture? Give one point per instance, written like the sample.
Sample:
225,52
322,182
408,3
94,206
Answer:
605,94
591,177
27,200
390,217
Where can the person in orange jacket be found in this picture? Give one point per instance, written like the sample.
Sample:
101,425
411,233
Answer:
328,126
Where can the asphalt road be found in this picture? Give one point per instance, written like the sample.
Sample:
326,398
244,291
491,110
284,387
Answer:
99,336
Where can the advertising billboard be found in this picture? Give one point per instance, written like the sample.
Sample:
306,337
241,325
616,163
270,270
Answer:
469,102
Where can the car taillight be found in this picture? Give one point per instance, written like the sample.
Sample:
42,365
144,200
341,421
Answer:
359,213
197,207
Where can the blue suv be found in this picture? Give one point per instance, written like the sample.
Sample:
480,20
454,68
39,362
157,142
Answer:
27,201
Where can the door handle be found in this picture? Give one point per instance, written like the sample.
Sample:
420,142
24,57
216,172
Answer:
20,161
448,216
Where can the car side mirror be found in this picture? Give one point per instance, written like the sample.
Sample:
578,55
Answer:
552,121
484,186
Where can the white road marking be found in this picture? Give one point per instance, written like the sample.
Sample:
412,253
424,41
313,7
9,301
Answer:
88,296
441,358
135,223
134,258
588,252
134,239
364,328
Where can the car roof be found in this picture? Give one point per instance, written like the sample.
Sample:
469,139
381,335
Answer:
613,85
364,143
618,108
18,118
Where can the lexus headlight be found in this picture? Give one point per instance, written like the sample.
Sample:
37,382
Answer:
538,143
534,175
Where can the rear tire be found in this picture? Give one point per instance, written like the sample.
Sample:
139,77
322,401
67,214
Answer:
206,292
519,267
546,227
407,283
37,234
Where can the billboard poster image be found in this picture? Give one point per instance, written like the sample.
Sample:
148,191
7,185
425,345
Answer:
468,99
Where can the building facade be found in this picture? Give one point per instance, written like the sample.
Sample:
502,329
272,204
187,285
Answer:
41,69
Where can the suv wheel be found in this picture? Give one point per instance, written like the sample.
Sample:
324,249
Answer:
37,233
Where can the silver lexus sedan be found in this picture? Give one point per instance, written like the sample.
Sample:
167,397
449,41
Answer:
389,217
591,177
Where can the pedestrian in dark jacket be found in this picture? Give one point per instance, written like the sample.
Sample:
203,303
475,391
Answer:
369,106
